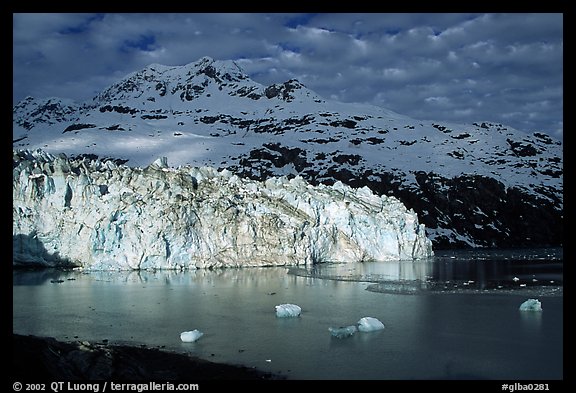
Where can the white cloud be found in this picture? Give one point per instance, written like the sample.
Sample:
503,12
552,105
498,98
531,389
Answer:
437,100
394,73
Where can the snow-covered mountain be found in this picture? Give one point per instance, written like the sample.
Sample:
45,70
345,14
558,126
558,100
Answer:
472,185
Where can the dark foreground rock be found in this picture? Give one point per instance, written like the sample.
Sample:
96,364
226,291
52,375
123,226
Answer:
46,358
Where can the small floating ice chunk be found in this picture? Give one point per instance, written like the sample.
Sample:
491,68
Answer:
531,305
369,324
343,331
191,336
515,279
288,310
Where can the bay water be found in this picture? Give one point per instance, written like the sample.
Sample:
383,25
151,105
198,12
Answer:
453,317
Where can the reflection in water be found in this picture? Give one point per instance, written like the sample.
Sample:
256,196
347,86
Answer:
490,274
450,270
532,321
368,271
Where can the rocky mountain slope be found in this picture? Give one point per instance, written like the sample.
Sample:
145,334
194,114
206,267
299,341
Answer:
472,185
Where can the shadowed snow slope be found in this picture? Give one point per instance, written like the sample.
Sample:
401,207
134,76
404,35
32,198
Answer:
99,215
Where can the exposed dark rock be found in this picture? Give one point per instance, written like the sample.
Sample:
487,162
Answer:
271,91
299,121
441,128
161,88
246,92
283,91
115,127
543,138
118,108
456,154
38,358
344,123
153,117
210,119
74,127
461,136
277,155
352,159
522,149
321,140
374,140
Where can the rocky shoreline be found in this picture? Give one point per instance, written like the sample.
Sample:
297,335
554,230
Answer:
46,358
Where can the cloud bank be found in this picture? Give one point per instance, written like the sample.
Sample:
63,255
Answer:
503,68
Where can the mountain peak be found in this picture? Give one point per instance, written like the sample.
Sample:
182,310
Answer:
205,78
188,82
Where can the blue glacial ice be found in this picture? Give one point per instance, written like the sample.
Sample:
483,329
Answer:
343,331
531,305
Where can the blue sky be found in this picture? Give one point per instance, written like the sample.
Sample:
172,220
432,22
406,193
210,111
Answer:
503,68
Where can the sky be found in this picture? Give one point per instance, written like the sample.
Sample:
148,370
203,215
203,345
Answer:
464,68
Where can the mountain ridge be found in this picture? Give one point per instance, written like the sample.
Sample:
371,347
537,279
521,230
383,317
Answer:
469,183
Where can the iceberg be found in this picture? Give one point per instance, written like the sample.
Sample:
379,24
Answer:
369,324
531,305
191,336
288,310
343,331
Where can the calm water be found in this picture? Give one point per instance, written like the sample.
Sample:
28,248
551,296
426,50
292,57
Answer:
434,332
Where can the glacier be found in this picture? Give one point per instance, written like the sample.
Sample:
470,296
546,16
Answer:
99,215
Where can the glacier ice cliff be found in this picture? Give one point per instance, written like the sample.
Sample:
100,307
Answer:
99,215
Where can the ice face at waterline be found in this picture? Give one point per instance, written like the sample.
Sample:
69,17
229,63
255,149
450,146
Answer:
100,216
